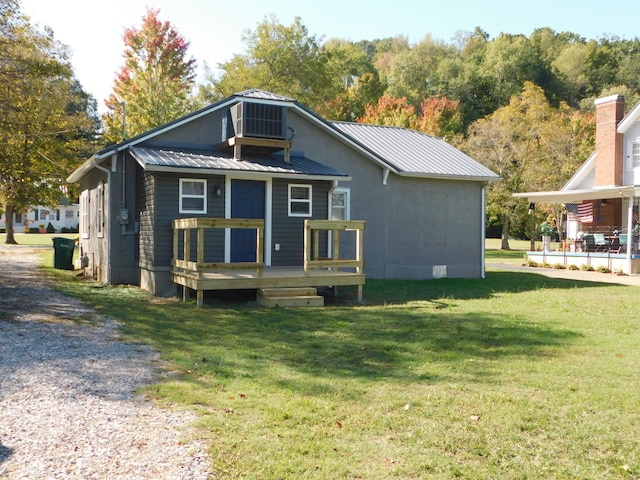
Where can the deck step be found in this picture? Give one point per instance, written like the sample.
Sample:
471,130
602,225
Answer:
288,292
290,301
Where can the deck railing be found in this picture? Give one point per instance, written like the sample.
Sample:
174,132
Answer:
312,229
199,267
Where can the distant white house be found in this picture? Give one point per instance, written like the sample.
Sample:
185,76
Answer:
62,216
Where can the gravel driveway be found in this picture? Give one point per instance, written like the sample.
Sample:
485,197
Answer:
67,403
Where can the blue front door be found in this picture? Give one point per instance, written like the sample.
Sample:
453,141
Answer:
247,201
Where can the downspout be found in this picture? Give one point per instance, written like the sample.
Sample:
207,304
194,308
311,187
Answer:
107,214
482,231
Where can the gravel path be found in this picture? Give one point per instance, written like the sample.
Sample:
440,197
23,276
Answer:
67,403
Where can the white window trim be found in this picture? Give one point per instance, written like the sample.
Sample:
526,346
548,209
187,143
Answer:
85,203
347,201
635,158
203,197
297,200
100,211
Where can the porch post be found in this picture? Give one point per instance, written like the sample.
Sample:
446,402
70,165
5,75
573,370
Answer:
630,226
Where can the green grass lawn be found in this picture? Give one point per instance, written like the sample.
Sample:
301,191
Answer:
36,239
517,376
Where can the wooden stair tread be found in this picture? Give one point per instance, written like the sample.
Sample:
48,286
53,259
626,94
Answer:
288,292
292,301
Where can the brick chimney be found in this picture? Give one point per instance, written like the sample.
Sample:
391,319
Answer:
609,143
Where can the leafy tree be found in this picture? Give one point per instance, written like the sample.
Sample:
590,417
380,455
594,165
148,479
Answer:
417,74
155,81
532,146
509,61
439,117
355,81
389,111
282,59
45,117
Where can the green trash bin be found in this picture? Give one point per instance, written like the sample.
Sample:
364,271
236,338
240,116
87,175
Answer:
63,253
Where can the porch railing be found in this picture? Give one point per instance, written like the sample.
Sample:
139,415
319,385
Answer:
312,230
199,267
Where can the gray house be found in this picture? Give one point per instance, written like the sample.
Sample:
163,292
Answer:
257,155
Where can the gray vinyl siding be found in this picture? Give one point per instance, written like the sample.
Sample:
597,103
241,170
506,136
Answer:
167,207
288,231
145,216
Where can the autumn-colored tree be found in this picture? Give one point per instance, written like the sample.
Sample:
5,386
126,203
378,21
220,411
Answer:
439,117
154,84
532,146
393,112
45,118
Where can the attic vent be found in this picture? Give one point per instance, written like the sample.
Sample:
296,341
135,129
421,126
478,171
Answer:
259,120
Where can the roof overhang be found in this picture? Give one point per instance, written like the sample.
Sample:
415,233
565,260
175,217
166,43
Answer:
244,173
435,176
574,196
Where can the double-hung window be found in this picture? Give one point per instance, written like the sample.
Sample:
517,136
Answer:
339,204
635,154
193,195
300,200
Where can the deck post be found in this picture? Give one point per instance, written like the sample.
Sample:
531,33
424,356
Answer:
199,298
200,251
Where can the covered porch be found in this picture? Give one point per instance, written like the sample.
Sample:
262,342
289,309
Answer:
315,270
609,238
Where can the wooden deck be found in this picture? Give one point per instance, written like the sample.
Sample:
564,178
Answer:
269,277
314,271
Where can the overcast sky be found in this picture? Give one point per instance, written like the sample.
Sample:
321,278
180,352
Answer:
93,30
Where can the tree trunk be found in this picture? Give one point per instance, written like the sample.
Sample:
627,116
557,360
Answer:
505,234
9,210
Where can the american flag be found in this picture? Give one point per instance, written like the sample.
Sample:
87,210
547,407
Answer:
581,212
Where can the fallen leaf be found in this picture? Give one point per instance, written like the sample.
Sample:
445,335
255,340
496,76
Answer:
242,395
339,423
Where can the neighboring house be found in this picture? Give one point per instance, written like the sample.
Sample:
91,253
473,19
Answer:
261,155
602,197
64,216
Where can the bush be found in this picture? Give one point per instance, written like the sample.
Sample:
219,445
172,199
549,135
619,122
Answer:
34,230
65,230
573,266
3,230
603,269
51,228
587,268
531,263
558,266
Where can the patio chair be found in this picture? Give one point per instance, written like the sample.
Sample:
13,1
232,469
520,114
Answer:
619,246
589,243
601,243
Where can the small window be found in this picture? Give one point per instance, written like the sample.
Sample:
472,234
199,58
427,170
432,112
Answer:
299,200
635,154
84,214
339,204
193,196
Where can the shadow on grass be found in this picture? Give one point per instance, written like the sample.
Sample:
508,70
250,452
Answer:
369,344
380,292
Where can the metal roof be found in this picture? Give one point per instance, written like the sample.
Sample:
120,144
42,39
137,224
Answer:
414,153
262,95
272,165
